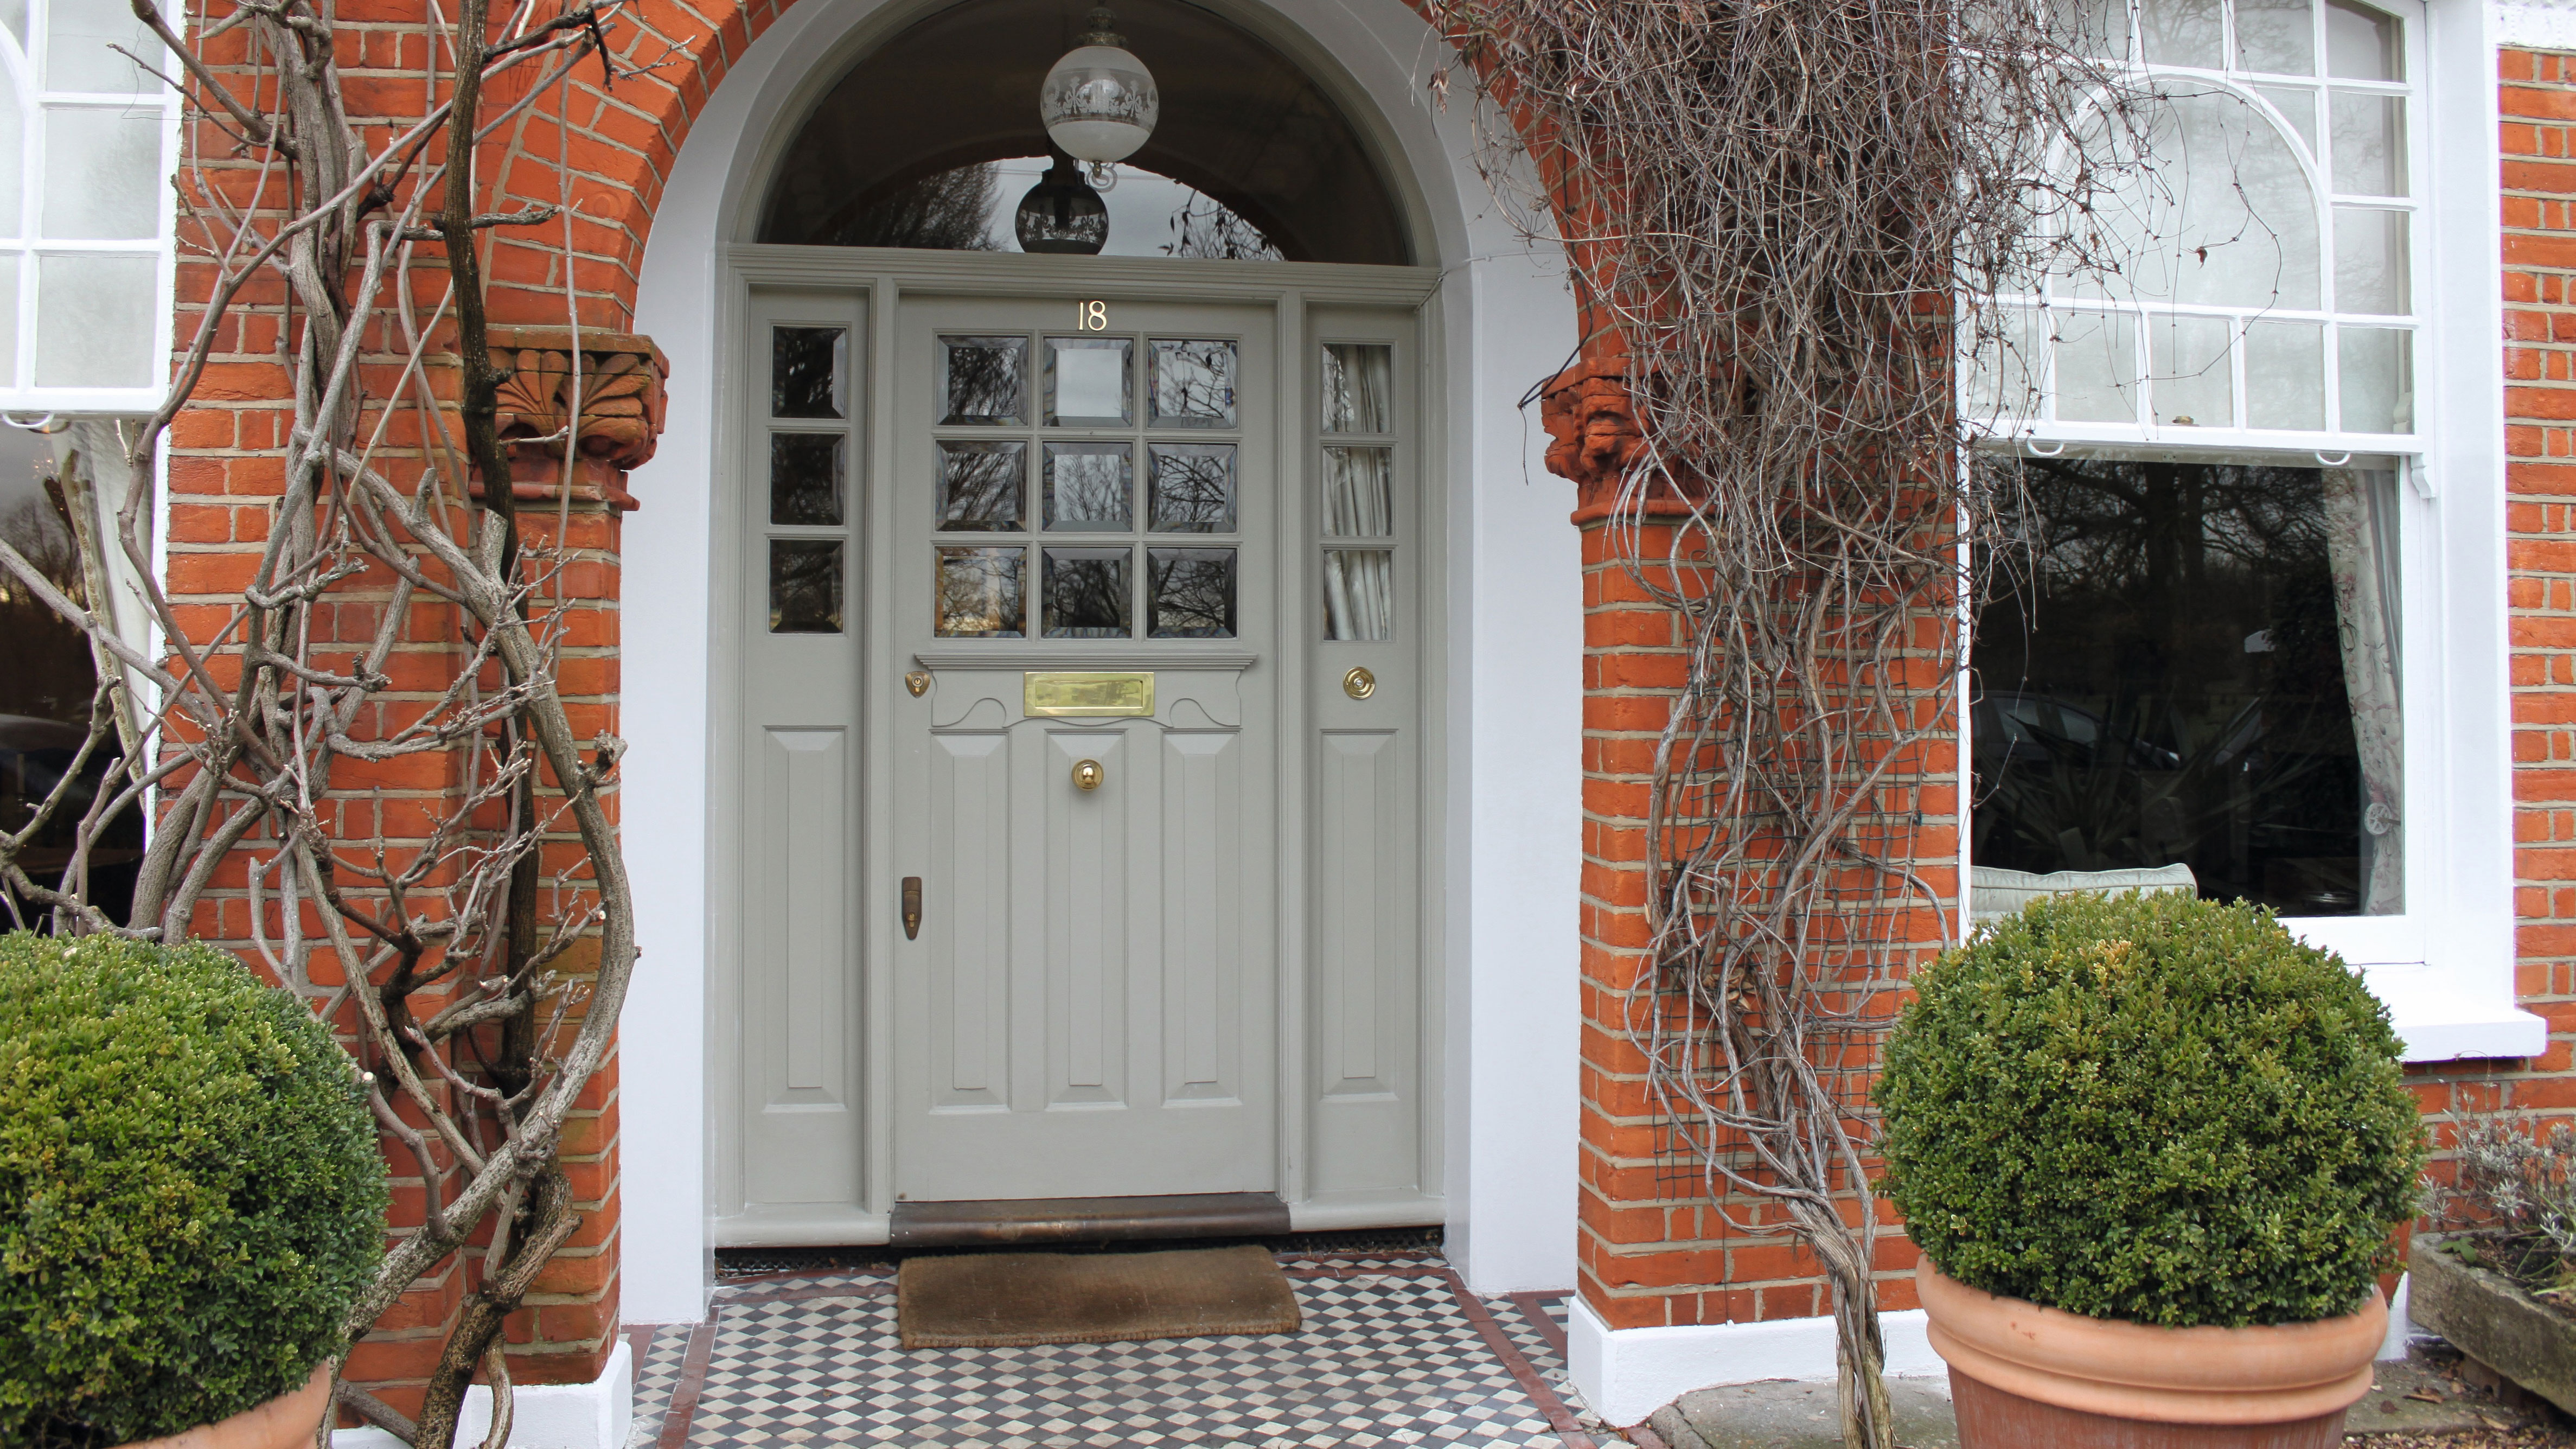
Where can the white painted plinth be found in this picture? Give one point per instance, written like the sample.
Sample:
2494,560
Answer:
1625,1374
595,1415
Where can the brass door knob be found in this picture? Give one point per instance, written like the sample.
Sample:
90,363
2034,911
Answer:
1359,683
1087,775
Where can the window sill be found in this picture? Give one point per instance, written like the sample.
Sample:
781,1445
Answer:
2440,1021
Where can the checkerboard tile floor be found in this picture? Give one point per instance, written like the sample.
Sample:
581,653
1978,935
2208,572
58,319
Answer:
1393,1352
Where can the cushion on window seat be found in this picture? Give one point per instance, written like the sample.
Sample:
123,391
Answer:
1994,892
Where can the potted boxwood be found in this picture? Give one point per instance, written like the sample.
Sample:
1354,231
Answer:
190,1199
2152,1148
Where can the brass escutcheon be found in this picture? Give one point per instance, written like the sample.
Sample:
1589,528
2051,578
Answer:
1088,775
918,681
1359,683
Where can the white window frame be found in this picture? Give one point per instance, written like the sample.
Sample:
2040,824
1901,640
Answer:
2446,966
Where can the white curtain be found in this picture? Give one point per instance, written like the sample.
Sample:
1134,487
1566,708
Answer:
1359,387
1359,492
2361,543
1359,593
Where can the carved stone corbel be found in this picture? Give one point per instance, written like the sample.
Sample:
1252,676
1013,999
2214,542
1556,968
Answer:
622,408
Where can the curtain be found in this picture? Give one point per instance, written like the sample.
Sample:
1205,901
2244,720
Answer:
1359,387
1359,593
1359,492
2361,544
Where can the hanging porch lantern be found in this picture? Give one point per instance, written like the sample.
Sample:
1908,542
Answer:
1062,213
1098,103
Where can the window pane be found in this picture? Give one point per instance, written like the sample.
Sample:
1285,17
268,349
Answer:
2285,375
984,380
2362,43
981,487
1088,486
1359,492
2005,366
1359,593
2180,32
2097,367
2370,261
1086,593
1193,384
1193,487
1191,592
2377,372
106,166
2192,386
77,57
2199,669
2298,106
2369,143
2224,216
805,585
11,154
8,321
2276,36
806,365
980,592
2096,27
805,477
94,321
1087,382
1359,387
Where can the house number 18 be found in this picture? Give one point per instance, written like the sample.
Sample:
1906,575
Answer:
1091,316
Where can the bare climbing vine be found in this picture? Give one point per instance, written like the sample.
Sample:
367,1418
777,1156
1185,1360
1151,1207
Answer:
1784,220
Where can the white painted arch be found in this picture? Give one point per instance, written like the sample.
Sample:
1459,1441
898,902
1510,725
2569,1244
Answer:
1508,570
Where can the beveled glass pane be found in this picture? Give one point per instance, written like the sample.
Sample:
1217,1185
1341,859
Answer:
2207,203
806,365
1086,593
2097,367
103,173
980,592
982,487
2285,375
985,380
1087,382
2370,261
2375,367
805,471
1190,593
2181,32
1089,485
2369,143
2362,43
1193,383
1359,387
805,585
2298,107
1192,485
2192,385
1359,593
1359,492
77,58
2277,36
94,321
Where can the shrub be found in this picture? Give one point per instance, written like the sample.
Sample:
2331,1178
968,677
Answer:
194,1197
2151,1108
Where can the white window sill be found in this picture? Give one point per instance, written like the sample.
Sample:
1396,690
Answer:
2440,1019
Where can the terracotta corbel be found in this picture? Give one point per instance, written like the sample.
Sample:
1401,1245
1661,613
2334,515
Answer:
622,408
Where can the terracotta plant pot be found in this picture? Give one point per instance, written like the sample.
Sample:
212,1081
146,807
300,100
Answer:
284,1422
2021,1374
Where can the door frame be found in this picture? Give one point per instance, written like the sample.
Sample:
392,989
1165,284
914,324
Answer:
881,276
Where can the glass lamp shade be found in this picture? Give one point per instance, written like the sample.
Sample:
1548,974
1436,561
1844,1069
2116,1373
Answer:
1098,103
1062,214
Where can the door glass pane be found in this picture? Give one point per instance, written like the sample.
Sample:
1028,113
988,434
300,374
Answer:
1359,387
2362,43
94,321
805,477
1359,492
2369,143
1088,486
2285,375
805,585
1192,486
2193,387
2276,36
985,380
1193,383
1190,593
980,592
1359,593
1086,593
107,165
982,487
2180,32
2097,367
2370,261
1087,382
805,368
2376,368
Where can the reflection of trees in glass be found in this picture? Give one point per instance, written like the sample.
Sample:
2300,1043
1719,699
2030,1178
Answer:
984,379
1206,227
950,211
804,586
1087,485
1086,593
1193,592
1194,383
805,477
805,371
2160,680
979,486
1193,487
979,592
46,671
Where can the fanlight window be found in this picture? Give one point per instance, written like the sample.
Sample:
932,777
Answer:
2261,238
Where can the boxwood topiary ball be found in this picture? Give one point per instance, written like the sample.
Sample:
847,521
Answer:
193,1196
2151,1108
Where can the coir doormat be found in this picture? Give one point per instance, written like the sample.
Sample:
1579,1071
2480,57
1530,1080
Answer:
1002,1300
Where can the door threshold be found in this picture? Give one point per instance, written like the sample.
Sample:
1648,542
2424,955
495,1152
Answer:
989,1221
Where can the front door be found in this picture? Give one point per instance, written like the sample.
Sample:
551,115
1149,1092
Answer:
1085,565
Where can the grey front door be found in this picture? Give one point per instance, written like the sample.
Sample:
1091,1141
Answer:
1085,522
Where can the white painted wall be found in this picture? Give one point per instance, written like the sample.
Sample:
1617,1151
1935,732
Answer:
1514,656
